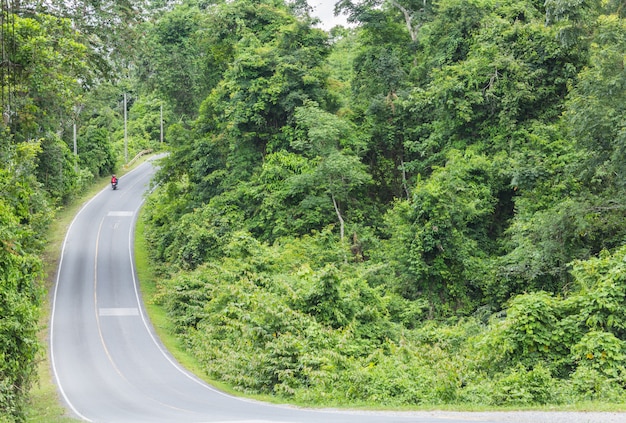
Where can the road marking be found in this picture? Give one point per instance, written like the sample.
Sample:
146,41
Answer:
132,311
55,299
121,213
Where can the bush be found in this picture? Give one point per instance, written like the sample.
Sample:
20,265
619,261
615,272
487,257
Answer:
601,351
588,384
523,386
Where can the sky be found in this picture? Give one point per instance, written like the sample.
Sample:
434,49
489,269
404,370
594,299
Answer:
324,11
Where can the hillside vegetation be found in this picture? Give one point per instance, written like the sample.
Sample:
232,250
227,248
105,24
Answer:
427,208
421,212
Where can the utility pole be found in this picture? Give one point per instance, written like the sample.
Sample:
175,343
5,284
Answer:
125,132
77,109
161,123
75,148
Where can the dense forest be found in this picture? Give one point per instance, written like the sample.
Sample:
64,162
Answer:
425,208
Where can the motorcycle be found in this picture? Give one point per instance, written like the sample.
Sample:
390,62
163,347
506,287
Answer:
114,184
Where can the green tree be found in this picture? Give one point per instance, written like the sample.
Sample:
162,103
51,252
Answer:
178,60
95,153
24,214
57,169
595,114
47,62
276,66
108,27
580,212
442,238
334,147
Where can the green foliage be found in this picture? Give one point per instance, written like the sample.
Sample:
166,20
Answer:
601,351
591,385
491,144
603,292
271,75
595,115
24,214
534,332
23,194
281,211
164,209
51,58
525,387
276,319
580,332
269,64
446,228
56,169
96,154
531,323
323,301
173,60
203,234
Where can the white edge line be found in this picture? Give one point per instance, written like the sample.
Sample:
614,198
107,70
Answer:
163,352
53,312
158,344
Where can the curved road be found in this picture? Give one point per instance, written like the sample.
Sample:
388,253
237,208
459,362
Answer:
107,361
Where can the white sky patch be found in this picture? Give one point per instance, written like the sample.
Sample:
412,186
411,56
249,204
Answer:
324,9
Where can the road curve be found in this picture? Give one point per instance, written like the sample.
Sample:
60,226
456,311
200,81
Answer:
106,359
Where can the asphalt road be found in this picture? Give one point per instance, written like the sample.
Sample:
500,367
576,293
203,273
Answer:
107,361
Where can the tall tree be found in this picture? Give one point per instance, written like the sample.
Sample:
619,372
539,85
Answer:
276,65
331,144
179,60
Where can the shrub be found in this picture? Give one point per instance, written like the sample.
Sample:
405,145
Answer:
601,351
525,386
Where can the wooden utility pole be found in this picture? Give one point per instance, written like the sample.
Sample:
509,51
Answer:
75,147
77,109
125,132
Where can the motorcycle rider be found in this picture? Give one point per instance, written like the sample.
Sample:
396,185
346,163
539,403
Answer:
113,179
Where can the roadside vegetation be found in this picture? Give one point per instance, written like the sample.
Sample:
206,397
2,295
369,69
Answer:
424,210
413,213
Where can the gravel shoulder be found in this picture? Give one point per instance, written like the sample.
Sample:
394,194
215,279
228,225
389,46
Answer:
505,416
532,416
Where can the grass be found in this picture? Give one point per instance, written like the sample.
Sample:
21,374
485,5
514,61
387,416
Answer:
157,315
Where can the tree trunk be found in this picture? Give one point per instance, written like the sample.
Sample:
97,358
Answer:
408,19
341,222
404,182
